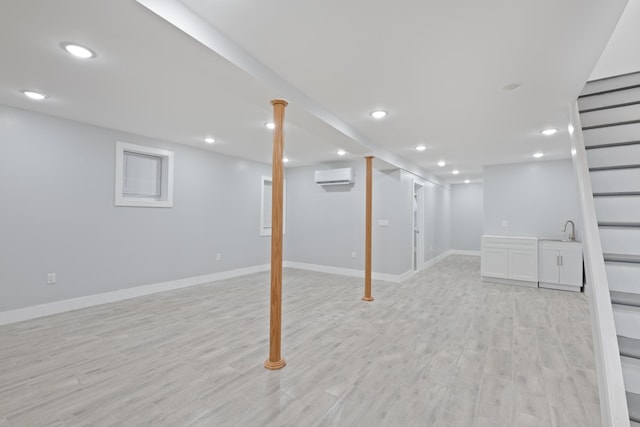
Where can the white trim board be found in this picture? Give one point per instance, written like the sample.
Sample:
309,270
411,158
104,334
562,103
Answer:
435,260
56,307
463,252
393,278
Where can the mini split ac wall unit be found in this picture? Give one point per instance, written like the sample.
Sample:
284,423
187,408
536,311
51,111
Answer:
335,176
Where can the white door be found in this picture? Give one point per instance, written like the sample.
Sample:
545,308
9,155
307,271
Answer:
549,265
571,268
523,265
494,263
418,226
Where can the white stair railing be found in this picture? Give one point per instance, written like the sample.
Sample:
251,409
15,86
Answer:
613,402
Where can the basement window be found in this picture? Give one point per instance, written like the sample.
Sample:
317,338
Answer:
144,176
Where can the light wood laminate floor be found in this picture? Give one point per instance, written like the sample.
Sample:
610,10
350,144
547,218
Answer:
443,349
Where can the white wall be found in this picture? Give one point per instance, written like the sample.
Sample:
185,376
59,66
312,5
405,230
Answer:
437,220
326,224
58,214
534,198
467,216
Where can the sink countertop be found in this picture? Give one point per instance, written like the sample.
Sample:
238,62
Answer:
549,239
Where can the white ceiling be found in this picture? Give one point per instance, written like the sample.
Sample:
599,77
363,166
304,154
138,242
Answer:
622,54
438,68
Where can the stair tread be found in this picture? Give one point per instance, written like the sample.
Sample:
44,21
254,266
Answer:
610,106
602,92
608,168
611,145
625,298
633,402
629,347
610,84
617,193
606,125
622,258
618,224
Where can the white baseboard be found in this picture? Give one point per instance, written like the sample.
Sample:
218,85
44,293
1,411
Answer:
395,278
42,310
56,307
461,252
434,260
407,275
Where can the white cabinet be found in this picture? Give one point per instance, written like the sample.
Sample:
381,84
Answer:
560,265
495,262
510,260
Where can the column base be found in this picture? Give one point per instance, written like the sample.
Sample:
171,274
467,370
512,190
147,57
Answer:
274,366
367,298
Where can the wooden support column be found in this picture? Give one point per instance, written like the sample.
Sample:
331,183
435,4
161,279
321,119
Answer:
368,224
275,360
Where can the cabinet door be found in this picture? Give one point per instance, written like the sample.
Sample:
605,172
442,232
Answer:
523,265
571,268
549,268
494,262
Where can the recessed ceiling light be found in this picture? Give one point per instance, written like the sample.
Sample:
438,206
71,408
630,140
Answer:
285,159
270,125
378,114
455,172
341,152
466,181
538,155
421,147
34,95
511,87
78,51
209,140
549,132
442,163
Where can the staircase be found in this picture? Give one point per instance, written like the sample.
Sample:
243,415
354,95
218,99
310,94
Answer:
610,117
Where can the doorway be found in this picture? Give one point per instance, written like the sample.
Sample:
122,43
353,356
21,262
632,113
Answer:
418,226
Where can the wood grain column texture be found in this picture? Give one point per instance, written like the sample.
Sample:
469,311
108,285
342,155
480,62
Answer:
368,224
275,360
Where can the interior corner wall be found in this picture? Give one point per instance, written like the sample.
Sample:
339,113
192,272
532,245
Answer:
535,199
325,224
437,222
58,214
467,216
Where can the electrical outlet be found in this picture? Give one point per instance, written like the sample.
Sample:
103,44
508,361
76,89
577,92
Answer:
505,223
353,255
51,278
218,256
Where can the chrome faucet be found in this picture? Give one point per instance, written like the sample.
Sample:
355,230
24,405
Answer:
572,235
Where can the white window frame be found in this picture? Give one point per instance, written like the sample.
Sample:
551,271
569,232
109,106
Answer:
264,230
166,193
